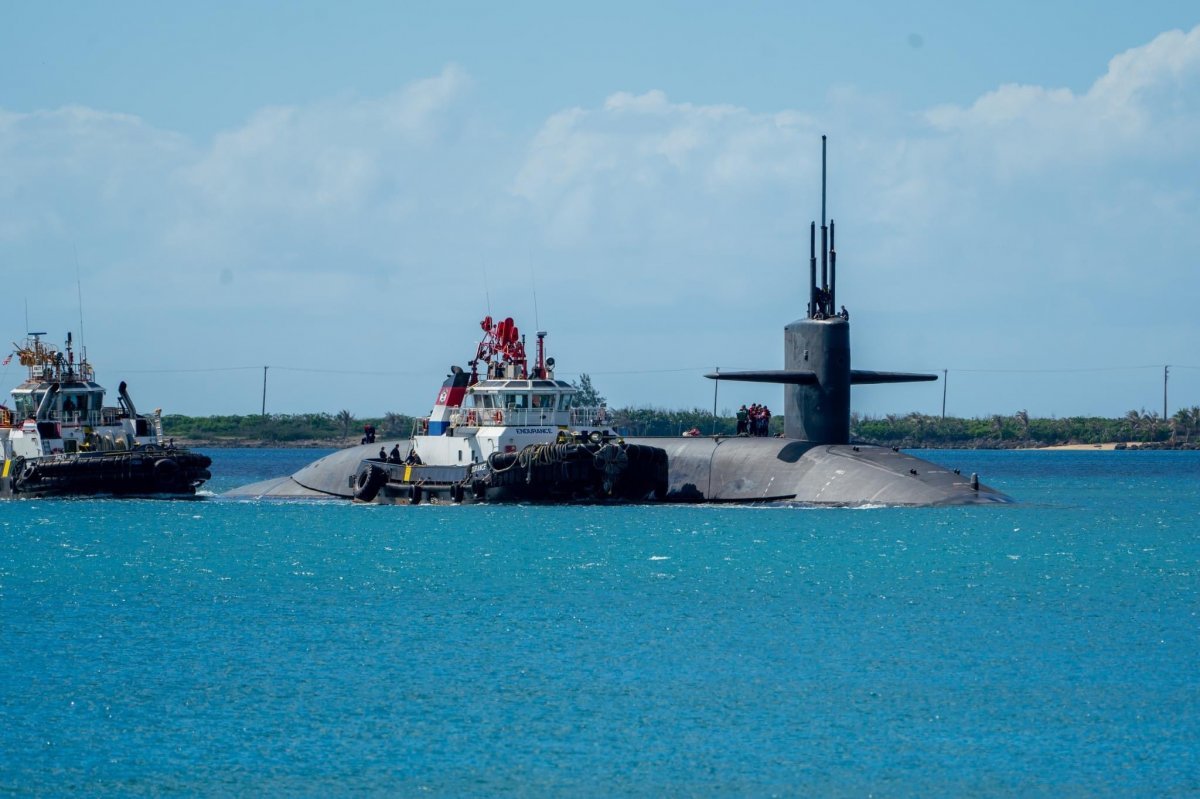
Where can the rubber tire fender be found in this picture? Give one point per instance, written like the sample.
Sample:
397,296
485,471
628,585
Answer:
166,470
368,481
16,473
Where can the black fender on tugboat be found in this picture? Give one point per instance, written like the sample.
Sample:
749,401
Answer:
166,471
14,474
29,472
368,481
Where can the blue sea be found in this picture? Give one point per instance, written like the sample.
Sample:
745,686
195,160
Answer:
228,648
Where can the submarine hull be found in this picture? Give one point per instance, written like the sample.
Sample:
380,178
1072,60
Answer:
740,469
720,469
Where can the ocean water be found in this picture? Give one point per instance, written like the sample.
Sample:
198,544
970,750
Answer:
217,648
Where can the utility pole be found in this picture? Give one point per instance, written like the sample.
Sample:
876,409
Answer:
945,381
264,405
1165,370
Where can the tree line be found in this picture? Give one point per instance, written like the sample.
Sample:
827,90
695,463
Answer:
286,428
913,430
1021,430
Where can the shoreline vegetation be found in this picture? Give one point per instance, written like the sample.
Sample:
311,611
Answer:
1134,430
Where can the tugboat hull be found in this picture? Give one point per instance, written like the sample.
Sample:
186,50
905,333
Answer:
152,471
570,472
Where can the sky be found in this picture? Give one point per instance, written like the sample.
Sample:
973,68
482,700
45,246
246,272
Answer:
341,192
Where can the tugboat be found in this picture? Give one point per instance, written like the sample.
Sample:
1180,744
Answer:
60,439
505,431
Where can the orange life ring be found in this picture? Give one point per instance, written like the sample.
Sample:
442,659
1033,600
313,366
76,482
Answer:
498,417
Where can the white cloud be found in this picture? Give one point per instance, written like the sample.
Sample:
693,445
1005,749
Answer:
1145,101
1034,226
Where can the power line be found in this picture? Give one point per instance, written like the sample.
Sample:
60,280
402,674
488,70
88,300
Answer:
247,368
181,371
645,371
349,372
679,370
1063,370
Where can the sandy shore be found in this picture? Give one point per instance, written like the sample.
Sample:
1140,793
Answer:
238,443
1080,447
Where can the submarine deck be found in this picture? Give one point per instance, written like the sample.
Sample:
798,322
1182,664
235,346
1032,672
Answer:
720,469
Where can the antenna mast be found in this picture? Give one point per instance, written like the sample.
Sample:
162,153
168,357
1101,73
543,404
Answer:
533,287
487,294
79,295
821,295
824,231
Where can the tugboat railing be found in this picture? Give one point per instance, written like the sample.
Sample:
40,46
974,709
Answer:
510,417
590,417
529,417
105,417
73,418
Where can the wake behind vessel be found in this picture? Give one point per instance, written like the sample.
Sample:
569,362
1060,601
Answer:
60,439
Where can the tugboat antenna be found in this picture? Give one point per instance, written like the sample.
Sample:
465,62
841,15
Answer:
533,288
79,294
487,294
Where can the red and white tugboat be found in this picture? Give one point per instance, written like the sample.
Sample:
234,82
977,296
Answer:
506,432
60,439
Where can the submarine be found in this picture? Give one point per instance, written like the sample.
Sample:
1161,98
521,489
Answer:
813,463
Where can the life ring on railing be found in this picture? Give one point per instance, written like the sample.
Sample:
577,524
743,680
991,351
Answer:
498,417
470,418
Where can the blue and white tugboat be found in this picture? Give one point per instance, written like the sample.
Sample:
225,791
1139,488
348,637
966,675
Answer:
506,431
60,439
